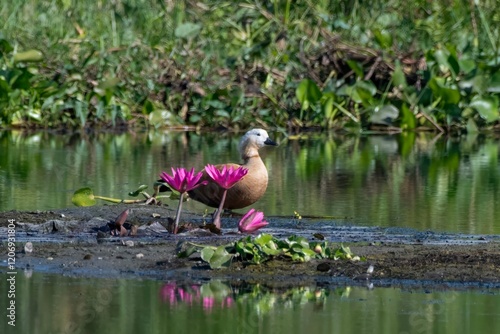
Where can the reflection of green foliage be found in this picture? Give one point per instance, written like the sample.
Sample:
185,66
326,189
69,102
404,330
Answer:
262,298
416,180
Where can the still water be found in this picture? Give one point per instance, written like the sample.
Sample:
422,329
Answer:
422,181
58,304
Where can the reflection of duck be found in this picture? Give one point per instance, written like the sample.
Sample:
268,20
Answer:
251,188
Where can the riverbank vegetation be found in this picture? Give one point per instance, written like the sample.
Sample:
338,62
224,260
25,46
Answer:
350,65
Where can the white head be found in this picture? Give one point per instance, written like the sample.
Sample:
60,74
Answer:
256,137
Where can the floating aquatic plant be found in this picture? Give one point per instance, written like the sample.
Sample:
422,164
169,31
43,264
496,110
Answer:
225,177
85,196
182,181
265,247
252,221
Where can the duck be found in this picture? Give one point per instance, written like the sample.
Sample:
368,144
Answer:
249,189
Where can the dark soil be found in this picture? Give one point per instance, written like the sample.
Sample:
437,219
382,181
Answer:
66,241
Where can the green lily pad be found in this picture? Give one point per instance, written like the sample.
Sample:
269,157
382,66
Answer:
83,197
217,258
138,191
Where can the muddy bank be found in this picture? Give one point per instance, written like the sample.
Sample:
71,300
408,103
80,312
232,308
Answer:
66,241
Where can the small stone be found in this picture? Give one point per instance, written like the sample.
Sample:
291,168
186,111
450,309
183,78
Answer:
50,258
99,258
62,215
323,267
155,215
128,243
87,257
139,256
28,247
102,235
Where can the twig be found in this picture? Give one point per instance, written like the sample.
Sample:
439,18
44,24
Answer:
427,117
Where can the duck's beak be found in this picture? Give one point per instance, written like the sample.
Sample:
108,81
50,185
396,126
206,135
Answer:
270,142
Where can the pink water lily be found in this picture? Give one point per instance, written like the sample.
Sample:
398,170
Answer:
182,181
252,221
225,177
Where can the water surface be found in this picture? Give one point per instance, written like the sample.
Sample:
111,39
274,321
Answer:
57,304
421,181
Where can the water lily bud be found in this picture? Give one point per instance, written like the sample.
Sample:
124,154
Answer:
318,249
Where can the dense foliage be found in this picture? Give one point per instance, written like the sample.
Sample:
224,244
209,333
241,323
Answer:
332,64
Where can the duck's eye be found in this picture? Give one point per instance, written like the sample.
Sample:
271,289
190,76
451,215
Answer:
258,134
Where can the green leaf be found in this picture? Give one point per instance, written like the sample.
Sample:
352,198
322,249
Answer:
138,191
217,258
271,251
486,106
28,56
356,68
363,92
83,197
471,126
263,239
494,84
327,105
307,92
467,65
187,252
5,46
383,38
187,30
440,90
443,59
109,83
408,119
386,115
207,253
398,76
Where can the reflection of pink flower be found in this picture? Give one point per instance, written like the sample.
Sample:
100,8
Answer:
208,303
175,295
167,293
182,181
252,221
228,302
225,177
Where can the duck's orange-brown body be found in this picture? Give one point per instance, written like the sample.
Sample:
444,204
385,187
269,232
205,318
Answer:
248,190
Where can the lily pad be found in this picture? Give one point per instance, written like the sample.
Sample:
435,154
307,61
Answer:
217,258
83,197
138,191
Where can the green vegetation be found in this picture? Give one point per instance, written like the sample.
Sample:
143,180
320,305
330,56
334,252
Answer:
265,247
331,64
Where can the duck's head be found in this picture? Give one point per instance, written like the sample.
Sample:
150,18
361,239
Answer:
257,138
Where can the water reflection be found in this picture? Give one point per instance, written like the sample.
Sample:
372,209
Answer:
58,304
422,181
